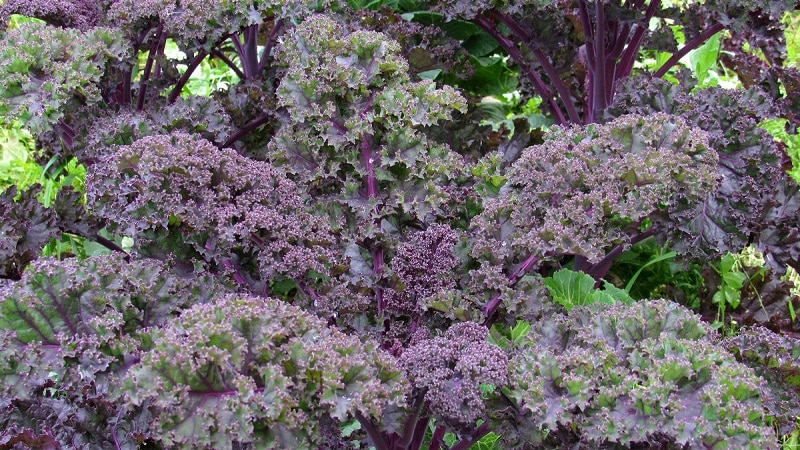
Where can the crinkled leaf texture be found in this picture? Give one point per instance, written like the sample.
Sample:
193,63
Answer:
100,130
258,371
80,14
26,226
448,370
355,135
48,72
776,359
182,196
586,189
68,330
755,202
206,21
632,374
105,351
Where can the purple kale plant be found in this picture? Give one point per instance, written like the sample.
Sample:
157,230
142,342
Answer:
260,372
648,372
70,330
448,372
213,206
335,251
586,191
354,137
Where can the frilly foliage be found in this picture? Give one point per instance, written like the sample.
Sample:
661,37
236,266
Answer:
425,265
100,131
80,14
355,116
203,21
343,174
776,359
70,329
749,162
48,72
129,352
448,371
585,188
222,207
260,372
26,225
631,374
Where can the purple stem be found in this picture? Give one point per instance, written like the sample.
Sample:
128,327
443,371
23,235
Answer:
267,50
114,435
237,274
228,62
237,45
419,432
477,435
373,432
193,64
148,67
598,80
631,51
111,245
251,49
544,61
436,439
412,423
246,128
213,394
696,42
534,78
372,194
494,302
626,63
601,268
161,46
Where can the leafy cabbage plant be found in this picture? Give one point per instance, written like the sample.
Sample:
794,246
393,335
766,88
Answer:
326,253
651,371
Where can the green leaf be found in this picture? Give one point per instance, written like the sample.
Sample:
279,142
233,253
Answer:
619,295
488,442
570,289
423,17
491,77
430,74
480,44
520,330
460,29
656,259
703,59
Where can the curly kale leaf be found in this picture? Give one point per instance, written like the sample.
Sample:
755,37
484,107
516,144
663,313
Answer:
48,72
356,118
586,188
424,265
449,370
204,20
80,14
258,371
780,239
70,329
754,202
27,226
181,195
101,130
629,374
775,358
58,299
